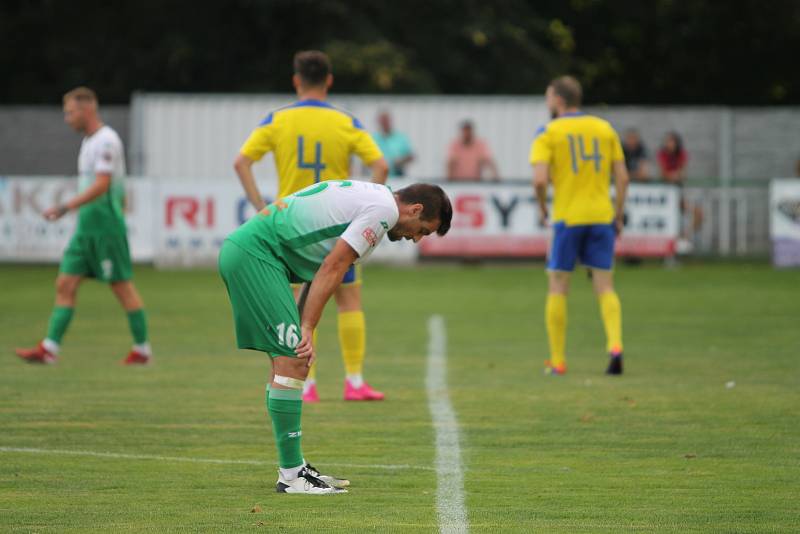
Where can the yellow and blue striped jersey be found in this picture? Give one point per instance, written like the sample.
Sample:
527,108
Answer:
312,141
580,150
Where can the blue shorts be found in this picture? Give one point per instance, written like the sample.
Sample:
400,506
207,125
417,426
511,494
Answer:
592,244
352,276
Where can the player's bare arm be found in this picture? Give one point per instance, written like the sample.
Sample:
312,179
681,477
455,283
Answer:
541,177
101,184
244,170
621,180
402,161
380,170
325,282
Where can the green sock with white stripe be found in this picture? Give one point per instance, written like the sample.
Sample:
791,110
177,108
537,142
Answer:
59,321
137,322
285,407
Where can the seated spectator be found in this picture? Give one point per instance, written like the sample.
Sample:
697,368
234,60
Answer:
395,146
635,156
469,156
672,159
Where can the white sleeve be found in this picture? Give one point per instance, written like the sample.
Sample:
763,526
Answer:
366,230
106,157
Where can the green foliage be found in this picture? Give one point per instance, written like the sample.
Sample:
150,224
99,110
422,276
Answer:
625,52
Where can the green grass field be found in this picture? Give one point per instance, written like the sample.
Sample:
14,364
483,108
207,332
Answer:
665,448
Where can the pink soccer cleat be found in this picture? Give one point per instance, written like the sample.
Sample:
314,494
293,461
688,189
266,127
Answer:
551,369
38,354
364,393
136,358
311,395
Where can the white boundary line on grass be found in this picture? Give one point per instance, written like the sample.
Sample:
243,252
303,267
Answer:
190,459
450,505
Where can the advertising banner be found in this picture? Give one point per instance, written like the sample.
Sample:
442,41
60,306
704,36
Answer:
502,220
26,236
181,223
784,195
194,219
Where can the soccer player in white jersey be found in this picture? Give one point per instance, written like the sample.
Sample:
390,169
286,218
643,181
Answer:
313,141
99,247
314,235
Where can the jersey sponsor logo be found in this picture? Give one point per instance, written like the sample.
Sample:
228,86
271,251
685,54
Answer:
371,237
107,157
385,225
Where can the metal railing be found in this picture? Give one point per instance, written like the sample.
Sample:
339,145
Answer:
735,220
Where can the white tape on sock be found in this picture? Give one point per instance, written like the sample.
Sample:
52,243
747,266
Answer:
291,383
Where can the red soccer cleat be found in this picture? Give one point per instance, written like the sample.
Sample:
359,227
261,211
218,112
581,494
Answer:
136,358
310,395
38,354
364,393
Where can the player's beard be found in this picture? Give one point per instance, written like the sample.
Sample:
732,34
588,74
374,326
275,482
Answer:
396,233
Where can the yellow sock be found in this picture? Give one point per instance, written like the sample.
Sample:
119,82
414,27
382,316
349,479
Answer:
611,312
312,372
555,313
353,340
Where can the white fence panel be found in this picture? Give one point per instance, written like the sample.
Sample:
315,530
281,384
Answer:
198,136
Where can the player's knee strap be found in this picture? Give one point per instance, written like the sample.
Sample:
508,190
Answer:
291,383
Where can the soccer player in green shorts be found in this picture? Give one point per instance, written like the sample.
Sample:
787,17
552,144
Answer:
314,235
313,141
99,247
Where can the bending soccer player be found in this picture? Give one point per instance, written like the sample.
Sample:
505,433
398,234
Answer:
313,235
99,247
578,153
313,141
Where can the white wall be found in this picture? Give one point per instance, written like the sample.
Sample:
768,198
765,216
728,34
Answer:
198,136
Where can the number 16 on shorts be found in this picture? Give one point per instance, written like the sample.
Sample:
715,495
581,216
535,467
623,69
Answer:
288,336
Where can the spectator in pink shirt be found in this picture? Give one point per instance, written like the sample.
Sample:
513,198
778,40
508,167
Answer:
468,156
672,159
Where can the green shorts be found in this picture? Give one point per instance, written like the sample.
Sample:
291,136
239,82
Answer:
105,257
265,313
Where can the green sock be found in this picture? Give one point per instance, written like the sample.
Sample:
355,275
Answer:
284,407
59,321
138,324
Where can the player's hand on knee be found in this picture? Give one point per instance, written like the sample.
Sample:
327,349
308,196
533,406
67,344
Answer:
305,349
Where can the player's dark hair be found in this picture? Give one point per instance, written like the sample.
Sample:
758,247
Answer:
312,66
435,204
678,140
569,89
81,94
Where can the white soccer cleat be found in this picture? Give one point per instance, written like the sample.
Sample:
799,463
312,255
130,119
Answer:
306,484
329,480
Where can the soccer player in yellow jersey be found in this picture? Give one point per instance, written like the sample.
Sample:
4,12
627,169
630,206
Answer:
313,141
578,154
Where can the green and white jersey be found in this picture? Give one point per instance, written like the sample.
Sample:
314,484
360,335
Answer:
297,232
102,152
